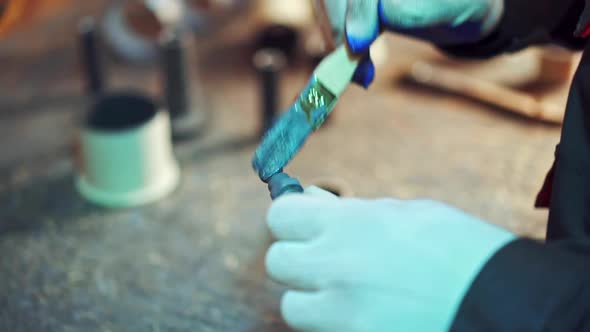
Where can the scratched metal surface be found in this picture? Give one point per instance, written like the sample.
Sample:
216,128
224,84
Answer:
194,261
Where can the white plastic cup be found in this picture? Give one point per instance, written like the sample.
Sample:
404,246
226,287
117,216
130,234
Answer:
125,152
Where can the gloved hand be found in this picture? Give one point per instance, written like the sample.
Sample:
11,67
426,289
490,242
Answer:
374,265
444,22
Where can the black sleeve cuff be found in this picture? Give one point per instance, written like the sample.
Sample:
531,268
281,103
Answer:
526,23
530,286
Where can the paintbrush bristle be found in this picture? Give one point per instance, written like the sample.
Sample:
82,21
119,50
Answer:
336,70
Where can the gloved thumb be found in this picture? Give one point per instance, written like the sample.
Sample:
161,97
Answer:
362,24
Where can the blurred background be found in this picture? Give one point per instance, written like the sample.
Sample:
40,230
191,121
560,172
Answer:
476,134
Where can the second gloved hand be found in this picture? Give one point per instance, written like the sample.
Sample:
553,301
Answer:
443,22
383,265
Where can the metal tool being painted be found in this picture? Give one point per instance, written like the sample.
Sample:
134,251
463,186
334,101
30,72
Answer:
307,114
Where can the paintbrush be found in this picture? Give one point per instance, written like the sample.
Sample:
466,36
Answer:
309,111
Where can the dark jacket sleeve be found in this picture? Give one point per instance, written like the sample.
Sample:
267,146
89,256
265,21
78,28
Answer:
530,286
525,23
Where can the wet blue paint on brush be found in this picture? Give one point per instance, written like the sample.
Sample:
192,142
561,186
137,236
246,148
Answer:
365,73
281,183
289,133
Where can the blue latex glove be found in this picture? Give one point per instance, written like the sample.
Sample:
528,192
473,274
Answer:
374,265
444,22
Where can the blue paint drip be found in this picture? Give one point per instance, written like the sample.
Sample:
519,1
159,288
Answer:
365,73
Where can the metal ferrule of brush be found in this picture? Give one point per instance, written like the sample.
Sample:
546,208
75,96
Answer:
316,101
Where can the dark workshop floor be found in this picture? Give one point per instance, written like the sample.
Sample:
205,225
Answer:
194,260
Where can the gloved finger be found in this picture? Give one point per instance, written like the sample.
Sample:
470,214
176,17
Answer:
297,217
365,72
337,14
287,263
362,24
319,192
304,311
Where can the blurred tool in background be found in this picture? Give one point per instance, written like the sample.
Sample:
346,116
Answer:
294,14
184,102
498,95
269,63
207,16
544,75
91,57
124,152
330,38
132,27
280,37
17,14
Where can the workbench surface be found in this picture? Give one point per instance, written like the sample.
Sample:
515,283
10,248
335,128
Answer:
194,261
